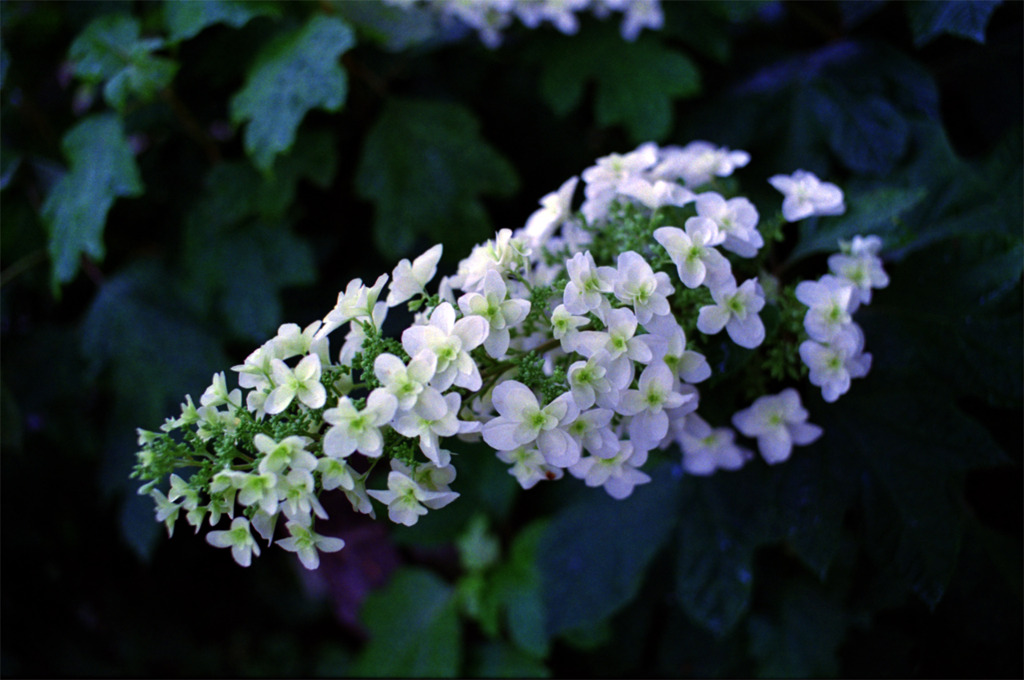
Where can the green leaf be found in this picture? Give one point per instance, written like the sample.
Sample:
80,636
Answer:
803,639
867,133
499,660
874,212
414,628
395,27
425,167
185,20
637,82
965,18
294,73
75,211
110,49
517,588
594,555
722,520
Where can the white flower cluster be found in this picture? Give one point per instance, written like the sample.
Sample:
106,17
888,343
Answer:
490,17
561,345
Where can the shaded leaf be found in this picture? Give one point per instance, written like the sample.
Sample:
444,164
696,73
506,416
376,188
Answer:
425,167
517,586
75,211
636,83
594,555
873,212
294,73
803,639
110,49
867,133
414,628
395,27
499,660
965,18
185,20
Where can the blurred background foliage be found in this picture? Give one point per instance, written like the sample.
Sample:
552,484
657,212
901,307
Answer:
179,178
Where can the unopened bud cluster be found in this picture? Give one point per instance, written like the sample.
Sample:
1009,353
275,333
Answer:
574,345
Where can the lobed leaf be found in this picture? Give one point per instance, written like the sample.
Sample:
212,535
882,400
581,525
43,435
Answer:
594,555
292,74
110,49
185,20
75,211
425,166
636,83
414,628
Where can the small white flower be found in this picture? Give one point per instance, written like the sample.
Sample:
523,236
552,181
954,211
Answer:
668,345
640,287
564,325
500,312
335,473
408,279
405,498
778,422
859,264
289,452
528,466
522,421
302,382
648,403
698,163
434,416
238,538
706,450
736,218
308,544
693,253
298,500
450,341
735,309
359,430
805,195
406,383
828,301
593,432
641,14
834,363
555,209
656,194
357,301
621,344
618,474
587,284
589,384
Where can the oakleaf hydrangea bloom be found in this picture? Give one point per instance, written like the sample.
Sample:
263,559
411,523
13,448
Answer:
408,279
858,263
736,310
806,195
706,449
693,253
560,345
778,422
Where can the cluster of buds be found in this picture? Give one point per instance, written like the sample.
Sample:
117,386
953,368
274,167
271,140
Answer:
573,345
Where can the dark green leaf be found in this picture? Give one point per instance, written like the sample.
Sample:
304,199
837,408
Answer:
867,133
965,18
517,587
75,212
425,167
396,27
722,520
594,555
637,83
414,628
875,212
294,73
185,20
803,639
499,660
110,49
